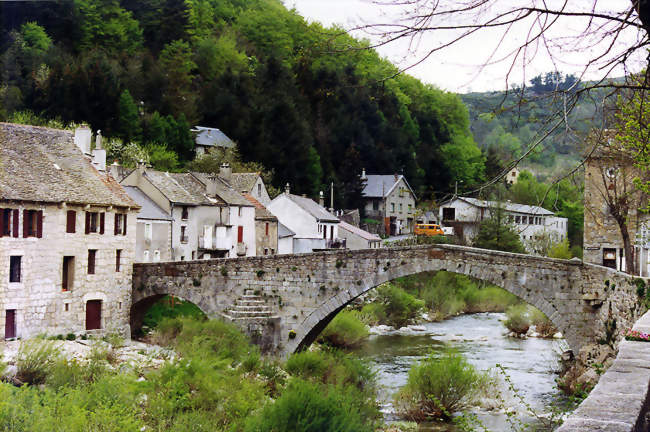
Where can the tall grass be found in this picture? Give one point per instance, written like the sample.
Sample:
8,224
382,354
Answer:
35,360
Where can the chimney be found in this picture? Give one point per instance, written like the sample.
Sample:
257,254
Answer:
99,159
141,167
225,172
287,188
321,199
363,174
82,138
396,177
116,171
211,187
98,140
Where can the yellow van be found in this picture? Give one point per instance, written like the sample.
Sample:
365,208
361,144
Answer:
428,230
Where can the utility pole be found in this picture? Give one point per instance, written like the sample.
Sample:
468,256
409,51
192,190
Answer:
332,196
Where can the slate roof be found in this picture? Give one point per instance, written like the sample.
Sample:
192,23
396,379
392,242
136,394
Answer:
380,186
242,182
284,232
211,137
149,209
260,211
170,184
358,231
512,207
311,207
225,192
44,165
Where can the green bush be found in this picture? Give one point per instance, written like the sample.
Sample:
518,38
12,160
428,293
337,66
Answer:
35,360
346,330
170,308
400,306
542,324
560,250
333,367
439,386
373,314
311,407
518,320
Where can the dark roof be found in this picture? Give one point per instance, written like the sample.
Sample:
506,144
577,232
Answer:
311,207
283,231
380,186
149,210
211,137
260,211
242,182
224,192
44,165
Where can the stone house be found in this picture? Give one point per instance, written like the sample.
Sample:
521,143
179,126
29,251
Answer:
610,171
531,222
209,219
266,228
67,235
390,200
315,228
206,138
356,238
154,229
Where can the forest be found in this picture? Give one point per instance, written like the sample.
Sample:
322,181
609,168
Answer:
310,104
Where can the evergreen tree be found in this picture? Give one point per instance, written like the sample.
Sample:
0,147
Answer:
128,124
497,233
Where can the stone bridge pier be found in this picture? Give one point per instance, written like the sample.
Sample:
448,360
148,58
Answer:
587,303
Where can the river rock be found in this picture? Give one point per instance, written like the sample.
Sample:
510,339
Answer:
588,377
381,329
558,335
417,328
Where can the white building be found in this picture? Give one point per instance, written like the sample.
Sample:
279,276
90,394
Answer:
356,238
285,239
531,222
209,219
315,228
67,235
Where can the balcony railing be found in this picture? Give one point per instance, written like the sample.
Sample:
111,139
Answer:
335,243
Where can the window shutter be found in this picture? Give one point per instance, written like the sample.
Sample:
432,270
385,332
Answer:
71,222
39,224
25,220
102,215
16,218
87,222
124,230
2,221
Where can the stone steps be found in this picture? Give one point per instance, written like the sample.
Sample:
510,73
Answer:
249,307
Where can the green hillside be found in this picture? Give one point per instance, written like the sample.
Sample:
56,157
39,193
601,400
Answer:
308,103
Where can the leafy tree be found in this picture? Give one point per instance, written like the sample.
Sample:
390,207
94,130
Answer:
497,233
105,23
35,38
128,126
177,62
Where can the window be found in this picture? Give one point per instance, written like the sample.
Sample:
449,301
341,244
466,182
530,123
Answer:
156,256
267,229
266,251
66,307
183,234
375,205
238,211
392,207
272,251
14,268
240,233
71,221
449,213
400,207
67,273
8,222
184,213
32,223
147,232
517,219
193,255
609,258
95,222
118,260
259,189
92,254
120,224
410,209
145,256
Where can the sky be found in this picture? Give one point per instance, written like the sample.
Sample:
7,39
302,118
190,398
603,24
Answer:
481,62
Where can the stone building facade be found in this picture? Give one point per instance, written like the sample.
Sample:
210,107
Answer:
610,172
67,236
266,228
390,200
154,229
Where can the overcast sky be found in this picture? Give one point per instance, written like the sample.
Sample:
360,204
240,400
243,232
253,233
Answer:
461,68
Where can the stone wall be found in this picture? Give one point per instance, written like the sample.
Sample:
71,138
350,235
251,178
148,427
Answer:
266,241
40,303
583,301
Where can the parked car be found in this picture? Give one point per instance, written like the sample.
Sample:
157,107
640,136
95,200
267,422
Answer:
429,230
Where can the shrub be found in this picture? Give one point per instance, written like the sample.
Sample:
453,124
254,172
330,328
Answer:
373,314
310,407
542,324
170,308
333,367
560,250
400,306
35,360
518,320
437,387
346,330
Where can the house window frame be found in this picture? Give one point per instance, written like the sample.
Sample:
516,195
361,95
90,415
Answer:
92,261
15,268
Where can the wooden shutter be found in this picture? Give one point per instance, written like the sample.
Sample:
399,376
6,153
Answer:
87,222
39,224
124,230
102,215
25,223
240,234
71,222
15,223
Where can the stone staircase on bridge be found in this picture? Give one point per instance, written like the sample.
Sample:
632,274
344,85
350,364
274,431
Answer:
250,306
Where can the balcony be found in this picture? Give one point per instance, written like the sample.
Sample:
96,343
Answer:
214,243
335,243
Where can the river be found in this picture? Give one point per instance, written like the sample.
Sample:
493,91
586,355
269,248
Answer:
532,364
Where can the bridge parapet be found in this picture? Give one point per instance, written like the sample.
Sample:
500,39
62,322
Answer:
309,289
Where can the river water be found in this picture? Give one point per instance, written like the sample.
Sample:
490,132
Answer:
532,364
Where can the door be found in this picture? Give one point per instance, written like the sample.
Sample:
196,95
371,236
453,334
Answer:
10,323
93,314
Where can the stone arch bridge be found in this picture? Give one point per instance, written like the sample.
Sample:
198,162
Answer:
588,303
